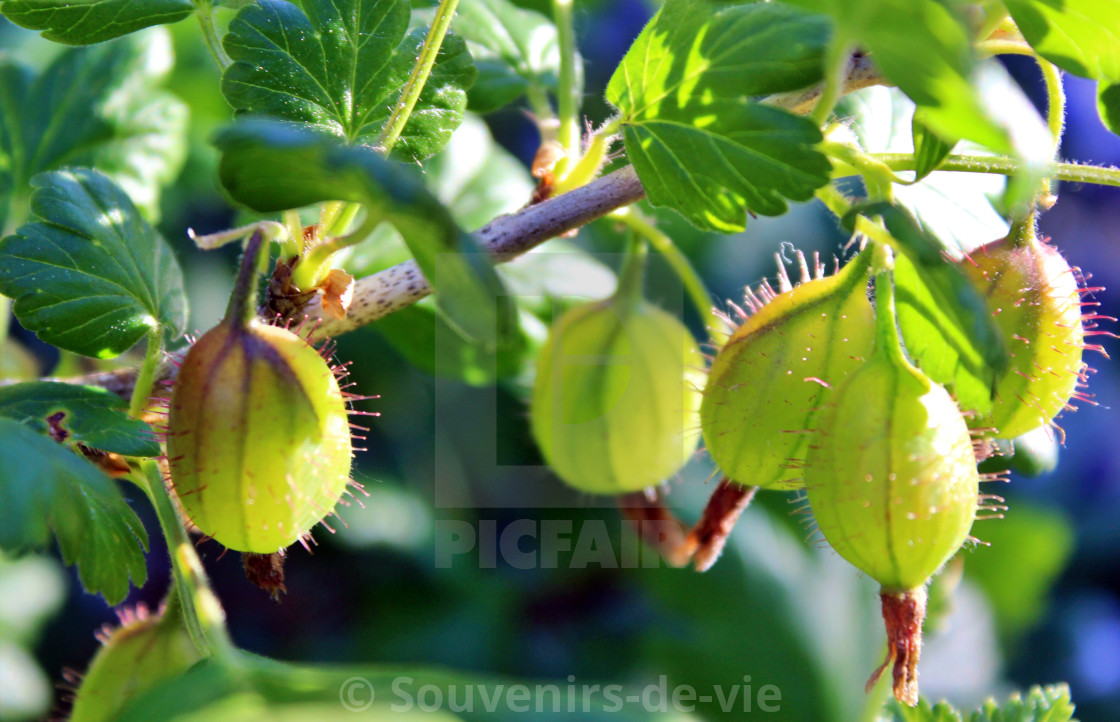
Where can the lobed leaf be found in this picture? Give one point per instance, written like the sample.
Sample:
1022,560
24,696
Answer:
514,49
45,489
340,67
271,166
698,142
83,22
1079,36
90,275
91,416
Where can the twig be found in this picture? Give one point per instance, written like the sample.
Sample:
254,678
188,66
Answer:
506,238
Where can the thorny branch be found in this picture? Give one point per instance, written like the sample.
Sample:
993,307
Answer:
506,237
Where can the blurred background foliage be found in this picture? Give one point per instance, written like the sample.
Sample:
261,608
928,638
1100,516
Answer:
1040,605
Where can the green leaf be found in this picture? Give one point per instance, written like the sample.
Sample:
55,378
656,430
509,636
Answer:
91,416
1108,106
942,81
945,323
514,49
340,68
1080,36
697,141
84,22
45,489
271,166
90,275
929,149
95,105
1041,704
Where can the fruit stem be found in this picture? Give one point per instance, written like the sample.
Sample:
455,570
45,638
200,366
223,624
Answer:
145,379
631,278
886,326
691,280
903,613
243,300
1022,233
419,77
569,88
203,615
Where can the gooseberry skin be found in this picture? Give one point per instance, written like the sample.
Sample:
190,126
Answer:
258,442
615,402
892,480
767,385
1034,296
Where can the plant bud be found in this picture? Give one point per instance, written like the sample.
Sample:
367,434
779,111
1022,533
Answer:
258,441
144,651
766,386
615,402
1035,298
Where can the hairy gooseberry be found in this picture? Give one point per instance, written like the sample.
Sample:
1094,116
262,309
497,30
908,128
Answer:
616,395
765,389
258,434
1035,298
893,485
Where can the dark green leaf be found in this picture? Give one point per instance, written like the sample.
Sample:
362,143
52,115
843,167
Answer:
513,49
95,105
698,142
84,22
929,149
90,275
91,416
45,489
1081,36
340,68
271,166
944,321
1108,105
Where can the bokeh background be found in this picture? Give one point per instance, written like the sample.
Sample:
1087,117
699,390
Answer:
1040,605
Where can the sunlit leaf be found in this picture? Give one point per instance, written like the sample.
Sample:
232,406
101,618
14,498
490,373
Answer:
340,67
698,142
89,274
1080,36
93,105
